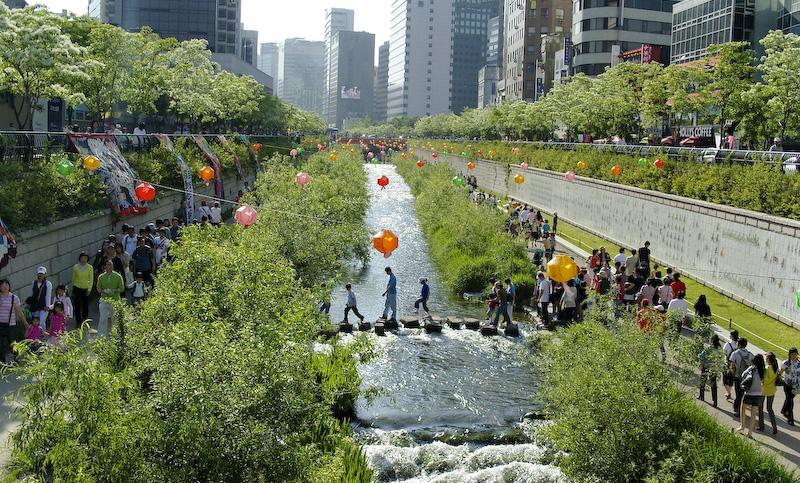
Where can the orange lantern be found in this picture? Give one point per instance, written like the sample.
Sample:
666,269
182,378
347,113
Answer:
207,173
385,242
616,170
470,165
581,165
562,268
404,155
145,192
519,179
257,147
91,163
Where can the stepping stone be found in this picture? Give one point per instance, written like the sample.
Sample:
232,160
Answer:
511,330
390,324
364,326
454,323
488,330
329,333
410,322
345,328
472,324
433,325
379,329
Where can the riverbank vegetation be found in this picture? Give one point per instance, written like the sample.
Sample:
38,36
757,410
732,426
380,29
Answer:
617,414
759,187
214,376
468,242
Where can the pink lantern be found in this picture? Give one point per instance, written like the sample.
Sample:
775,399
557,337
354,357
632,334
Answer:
523,166
569,176
515,150
246,215
293,153
302,179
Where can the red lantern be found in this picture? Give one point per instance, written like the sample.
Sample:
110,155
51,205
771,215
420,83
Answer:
480,152
385,242
420,163
435,155
207,173
659,163
246,215
616,171
145,192
383,181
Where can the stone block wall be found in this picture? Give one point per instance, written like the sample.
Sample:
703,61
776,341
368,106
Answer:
57,246
749,256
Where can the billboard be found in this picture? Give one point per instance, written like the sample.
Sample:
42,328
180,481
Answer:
352,92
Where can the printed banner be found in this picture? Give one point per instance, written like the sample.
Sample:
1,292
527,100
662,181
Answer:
8,245
222,139
204,146
250,153
188,187
115,172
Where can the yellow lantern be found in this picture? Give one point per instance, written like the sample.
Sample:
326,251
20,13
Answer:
581,165
519,179
91,163
562,268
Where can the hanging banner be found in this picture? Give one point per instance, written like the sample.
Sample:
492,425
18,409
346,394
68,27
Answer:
8,245
204,146
250,153
188,186
224,141
114,172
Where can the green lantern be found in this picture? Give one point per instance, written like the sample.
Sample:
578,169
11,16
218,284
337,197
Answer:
643,162
458,181
464,154
65,167
375,160
299,150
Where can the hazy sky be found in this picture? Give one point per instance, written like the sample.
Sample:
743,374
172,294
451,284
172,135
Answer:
276,20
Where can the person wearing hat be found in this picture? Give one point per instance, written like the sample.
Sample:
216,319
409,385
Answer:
423,296
790,370
41,296
776,145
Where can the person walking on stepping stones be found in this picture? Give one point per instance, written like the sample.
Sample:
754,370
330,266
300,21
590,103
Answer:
391,296
423,297
351,305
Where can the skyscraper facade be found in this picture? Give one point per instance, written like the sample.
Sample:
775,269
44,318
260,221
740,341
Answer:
217,21
249,46
268,59
301,67
470,36
789,17
336,20
353,75
381,83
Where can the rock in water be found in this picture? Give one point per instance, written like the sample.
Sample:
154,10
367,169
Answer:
432,326
454,323
511,330
410,322
329,332
364,326
472,324
379,330
390,324
488,330
345,328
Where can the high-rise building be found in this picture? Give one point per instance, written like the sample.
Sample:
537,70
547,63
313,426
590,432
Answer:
490,74
494,39
217,21
789,16
249,46
15,3
607,32
336,20
470,36
301,67
381,83
353,78
268,59
696,24
551,45
525,23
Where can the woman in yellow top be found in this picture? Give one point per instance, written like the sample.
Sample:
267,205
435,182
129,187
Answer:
768,389
82,282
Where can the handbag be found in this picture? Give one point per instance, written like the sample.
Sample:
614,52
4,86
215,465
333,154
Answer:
747,382
779,381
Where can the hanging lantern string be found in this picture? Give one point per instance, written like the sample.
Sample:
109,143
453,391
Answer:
236,203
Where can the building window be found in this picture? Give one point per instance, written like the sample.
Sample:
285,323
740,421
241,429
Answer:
560,13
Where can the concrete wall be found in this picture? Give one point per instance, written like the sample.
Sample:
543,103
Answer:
749,256
57,246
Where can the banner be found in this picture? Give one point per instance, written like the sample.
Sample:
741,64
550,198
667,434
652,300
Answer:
188,187
203,144
224,141
250,153
115,172
8,245
352,92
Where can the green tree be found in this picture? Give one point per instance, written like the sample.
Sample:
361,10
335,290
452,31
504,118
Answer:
730,77
191,74
780,66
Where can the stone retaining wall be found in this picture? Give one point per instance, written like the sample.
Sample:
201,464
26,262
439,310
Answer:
749,256
57,246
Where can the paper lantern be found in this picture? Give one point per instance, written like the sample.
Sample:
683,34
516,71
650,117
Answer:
404,155
352,151
385,242
463,153
145,192
91,163
333,156
300,150
246,215
519,179
383,181
469,146
293,153
581,165
458,181
523,166
642,162
302,179
320,147
470,165
491,153
383,153
434,155
515,150
411,152
562,268
616,171
659,163
420,163
65,167
569,176
480,152
207,173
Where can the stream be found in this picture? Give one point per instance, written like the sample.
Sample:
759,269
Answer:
450,403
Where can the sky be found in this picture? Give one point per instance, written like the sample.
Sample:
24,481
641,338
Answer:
276,20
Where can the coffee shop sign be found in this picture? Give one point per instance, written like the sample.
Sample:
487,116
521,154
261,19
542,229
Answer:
699,131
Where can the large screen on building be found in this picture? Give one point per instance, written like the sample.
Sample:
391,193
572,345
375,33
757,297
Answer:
351,92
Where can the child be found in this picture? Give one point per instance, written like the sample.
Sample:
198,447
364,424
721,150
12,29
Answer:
139,288
58,320
423,298
493,303
63,297
34,334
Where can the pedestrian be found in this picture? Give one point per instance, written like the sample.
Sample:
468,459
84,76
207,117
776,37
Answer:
768,390
175,229
751,384
502,304
644,258
124,260
546,228
111,286
425,292
204,211
144,260
10,312
568,302
677,284
139,289
491,301
631,263
66,303
325,303
391,296
680,307
129,240
740,360
161,245
665,294
82,284
34,335
543,291
790,370
351,304
42,294
215,214
555,222
727,374
708,371
620,258
701,308
58,320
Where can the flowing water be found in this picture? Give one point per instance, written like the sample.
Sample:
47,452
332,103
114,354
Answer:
451,403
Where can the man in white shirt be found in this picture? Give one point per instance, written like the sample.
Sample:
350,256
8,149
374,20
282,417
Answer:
621,258
215,214
631,263
679,306
543,289
204,212
523,215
